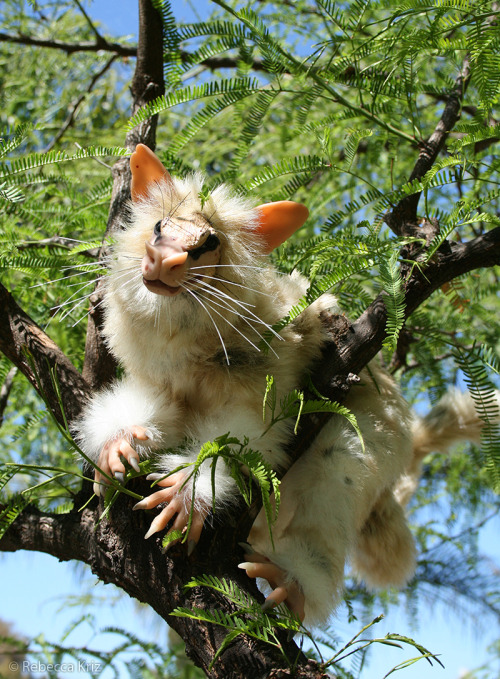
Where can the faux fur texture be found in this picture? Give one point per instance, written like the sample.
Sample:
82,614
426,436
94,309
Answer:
193,372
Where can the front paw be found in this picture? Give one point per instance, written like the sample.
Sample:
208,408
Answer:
111,458
178,500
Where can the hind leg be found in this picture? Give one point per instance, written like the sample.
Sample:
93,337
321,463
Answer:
316,522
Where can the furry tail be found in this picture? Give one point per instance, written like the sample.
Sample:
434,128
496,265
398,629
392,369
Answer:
454,418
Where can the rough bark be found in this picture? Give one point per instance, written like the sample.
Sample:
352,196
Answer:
116,551
403,218
37,356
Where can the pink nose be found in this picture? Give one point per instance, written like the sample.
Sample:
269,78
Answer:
164,263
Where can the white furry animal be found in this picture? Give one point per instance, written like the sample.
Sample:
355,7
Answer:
188,297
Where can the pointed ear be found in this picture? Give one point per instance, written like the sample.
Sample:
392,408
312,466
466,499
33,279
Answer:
146,168
278,221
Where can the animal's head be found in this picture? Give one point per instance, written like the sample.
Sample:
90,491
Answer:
181,237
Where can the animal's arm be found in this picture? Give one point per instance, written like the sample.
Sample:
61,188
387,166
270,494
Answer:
128,419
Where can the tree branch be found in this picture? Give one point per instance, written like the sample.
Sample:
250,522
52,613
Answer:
71,47
403,218
5,391
125,51
116,551
354,345
18,334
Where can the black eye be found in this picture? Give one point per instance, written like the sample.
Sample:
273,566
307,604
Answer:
211,243
157,229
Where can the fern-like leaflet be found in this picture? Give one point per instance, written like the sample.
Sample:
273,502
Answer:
486,400
248,617
394,298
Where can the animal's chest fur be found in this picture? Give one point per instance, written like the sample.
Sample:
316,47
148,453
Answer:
188,365
198,380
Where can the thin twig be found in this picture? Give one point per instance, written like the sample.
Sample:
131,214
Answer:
99,38
77,103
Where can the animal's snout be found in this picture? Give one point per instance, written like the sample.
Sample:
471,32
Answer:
177,246
164,262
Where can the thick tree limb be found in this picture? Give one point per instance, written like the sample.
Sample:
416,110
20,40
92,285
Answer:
354,345
18,334
363,339
117,553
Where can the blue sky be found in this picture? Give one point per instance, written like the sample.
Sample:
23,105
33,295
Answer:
37,604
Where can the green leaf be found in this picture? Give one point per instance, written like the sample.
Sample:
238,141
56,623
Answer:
394,299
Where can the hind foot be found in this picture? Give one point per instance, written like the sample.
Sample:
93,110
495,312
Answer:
284,590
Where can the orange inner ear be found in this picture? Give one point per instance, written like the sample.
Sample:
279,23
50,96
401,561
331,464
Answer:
278,221
146,169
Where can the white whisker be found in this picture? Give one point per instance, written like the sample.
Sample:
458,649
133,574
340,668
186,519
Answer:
181,202
221,294
245,287
93,281
201,280
131,278
133,257
246,319
79,302
82,299
88,266
55,280
127,282
211,318
86,314
229,322
233,266
71,300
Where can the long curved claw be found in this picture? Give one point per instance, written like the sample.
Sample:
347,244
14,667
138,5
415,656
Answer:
179,526
167,481
170,487
277,597
282,589
119,449
155,499
199,517
100,481
112,455
99,485
161,521
172,494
